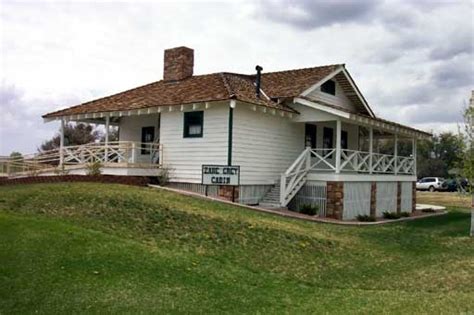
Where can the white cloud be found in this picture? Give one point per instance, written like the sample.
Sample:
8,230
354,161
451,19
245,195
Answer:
413,62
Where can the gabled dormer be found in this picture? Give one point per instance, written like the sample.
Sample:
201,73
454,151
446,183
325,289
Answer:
338,89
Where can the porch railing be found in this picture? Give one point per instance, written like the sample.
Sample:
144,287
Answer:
351,161
119,153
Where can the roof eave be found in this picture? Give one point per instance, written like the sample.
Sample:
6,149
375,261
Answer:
365,120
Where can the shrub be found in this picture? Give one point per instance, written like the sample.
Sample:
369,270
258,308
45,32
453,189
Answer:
429,210
93,169
163,176
61,170
309,209
365,218
405,214
391,215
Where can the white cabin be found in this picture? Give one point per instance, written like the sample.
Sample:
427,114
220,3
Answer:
304,136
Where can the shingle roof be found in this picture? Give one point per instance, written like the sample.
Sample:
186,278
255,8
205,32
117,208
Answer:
291,83
206,88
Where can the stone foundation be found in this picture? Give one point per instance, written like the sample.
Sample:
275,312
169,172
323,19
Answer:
373,199
227,191
399,197
335,200
413,196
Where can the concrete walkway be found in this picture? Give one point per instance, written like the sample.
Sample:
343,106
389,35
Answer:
295,215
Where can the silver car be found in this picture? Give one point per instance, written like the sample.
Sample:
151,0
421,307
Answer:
430,183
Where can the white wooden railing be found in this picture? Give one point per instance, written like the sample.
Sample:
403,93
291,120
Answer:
352,161
113,152
120,153
294,177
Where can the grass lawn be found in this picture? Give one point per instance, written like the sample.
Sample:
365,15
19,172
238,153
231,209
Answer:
442,198
109,248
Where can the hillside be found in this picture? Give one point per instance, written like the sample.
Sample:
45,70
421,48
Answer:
96,247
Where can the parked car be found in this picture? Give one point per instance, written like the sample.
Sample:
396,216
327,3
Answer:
450,185
430,183
460,184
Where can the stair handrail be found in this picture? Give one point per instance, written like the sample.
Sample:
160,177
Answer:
297,173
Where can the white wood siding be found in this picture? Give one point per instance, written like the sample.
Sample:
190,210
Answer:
130,129
356,199
340,99
407,194
185,156
386,197
264,145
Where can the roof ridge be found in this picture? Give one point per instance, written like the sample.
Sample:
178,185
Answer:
226,84
307,68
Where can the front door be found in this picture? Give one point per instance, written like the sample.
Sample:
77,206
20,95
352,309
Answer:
310,136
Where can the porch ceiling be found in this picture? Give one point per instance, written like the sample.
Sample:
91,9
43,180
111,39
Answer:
363,120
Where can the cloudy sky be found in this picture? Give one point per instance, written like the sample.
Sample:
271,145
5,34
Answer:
413,60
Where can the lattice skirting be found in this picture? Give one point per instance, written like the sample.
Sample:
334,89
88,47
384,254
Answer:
310,194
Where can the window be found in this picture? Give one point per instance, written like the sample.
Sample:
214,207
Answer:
329,87
193,124
344,143
310,136
148,136
328,140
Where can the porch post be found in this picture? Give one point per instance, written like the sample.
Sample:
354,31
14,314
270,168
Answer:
338,146
414,155
371,149
395,154
61,143
107,125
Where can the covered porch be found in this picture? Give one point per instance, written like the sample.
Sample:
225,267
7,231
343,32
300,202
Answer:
346,147
124,157
113,158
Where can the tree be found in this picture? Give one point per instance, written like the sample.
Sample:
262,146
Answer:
467,163
113,134
439,155
74,134
16,162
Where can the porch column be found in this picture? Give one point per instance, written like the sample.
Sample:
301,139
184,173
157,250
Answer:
371,149
338,146
61,143
414,155
395,154
107,125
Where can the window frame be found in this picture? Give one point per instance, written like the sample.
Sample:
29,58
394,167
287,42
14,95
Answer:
144,149
187,117
311,131
330,146
344,140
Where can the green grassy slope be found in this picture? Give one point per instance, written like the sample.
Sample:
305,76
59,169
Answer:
95,248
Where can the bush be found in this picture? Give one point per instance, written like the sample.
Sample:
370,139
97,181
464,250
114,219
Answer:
391,215
429,210
405,214
163,176
365,218
93,169
309,209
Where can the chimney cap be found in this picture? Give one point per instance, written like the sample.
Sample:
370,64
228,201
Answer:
258,68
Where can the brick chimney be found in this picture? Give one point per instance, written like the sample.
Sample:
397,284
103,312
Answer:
179,63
